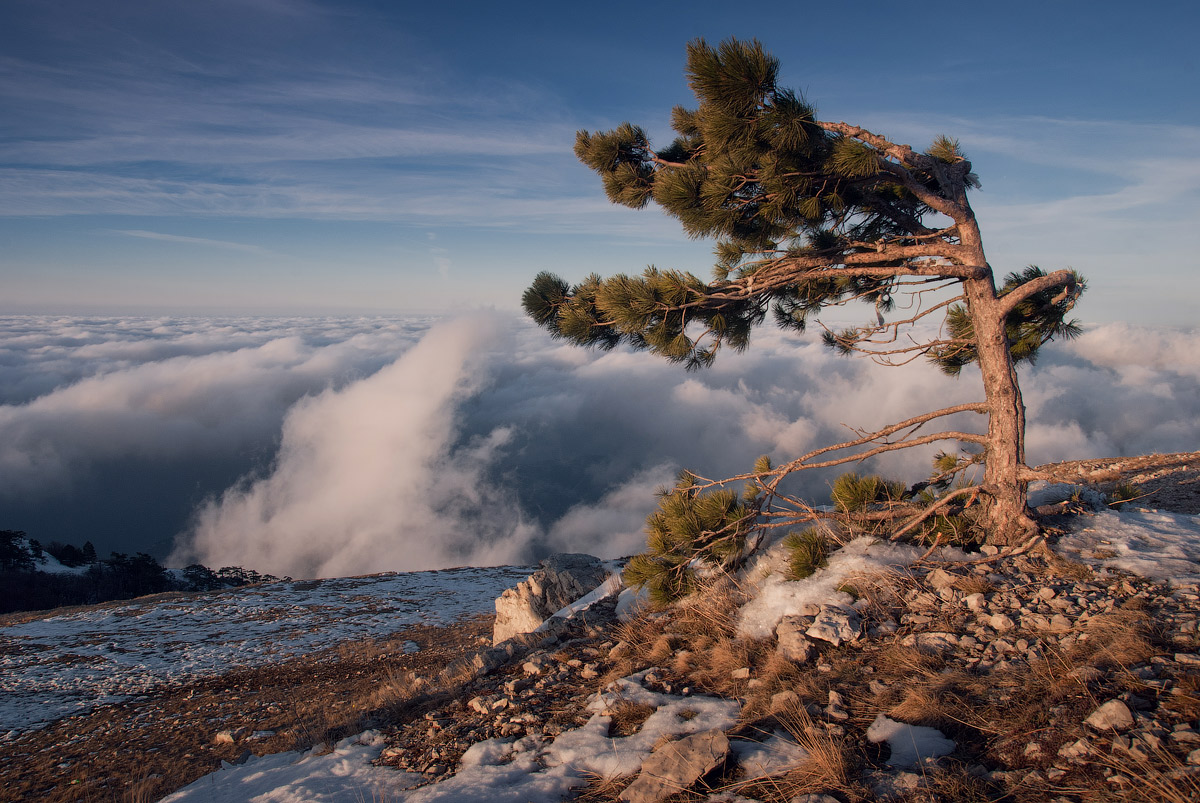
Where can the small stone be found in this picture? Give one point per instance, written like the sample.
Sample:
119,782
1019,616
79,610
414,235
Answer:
792,643
740,674
1113,715
940,579
976,602
1001,623
1059,623
1077,749
785,700
836,624
622,649
933,643
1193,757
1186,735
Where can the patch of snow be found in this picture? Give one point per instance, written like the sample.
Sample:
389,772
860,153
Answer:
1150,543
631,602
1051,493
776,755
910,744
528,770
303,777
774,596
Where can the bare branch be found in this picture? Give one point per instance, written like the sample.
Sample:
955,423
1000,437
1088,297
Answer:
970,407
1060,278
973,492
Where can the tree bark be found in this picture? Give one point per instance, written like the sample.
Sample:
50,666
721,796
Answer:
1004,462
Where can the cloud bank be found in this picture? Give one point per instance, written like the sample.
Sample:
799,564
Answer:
318,447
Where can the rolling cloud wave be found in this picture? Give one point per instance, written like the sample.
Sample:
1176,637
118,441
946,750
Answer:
343,446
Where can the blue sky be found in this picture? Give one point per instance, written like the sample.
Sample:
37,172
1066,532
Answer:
293,156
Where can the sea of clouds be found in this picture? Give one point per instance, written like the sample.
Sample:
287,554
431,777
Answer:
340,445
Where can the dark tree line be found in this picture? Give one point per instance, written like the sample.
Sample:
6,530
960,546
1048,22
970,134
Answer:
24,587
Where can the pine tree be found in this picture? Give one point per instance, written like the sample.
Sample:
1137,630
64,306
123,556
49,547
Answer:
809,214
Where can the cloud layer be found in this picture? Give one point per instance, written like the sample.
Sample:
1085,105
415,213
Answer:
343,446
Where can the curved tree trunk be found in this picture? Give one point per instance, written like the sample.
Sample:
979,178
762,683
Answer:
1005,451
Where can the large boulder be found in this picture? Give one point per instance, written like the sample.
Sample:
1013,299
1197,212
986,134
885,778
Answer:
562,579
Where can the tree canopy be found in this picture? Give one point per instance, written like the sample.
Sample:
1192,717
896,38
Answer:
807,214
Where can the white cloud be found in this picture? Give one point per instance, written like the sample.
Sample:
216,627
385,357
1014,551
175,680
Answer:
487,441
368,477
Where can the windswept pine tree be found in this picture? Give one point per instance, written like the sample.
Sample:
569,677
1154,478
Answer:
807,215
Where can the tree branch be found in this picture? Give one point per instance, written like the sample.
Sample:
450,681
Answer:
1060,278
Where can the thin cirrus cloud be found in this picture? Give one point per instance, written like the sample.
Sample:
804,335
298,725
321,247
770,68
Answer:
351,445
204,241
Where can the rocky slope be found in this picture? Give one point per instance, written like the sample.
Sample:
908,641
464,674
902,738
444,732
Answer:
1026,678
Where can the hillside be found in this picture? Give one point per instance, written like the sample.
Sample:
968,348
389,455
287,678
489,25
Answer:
1052,675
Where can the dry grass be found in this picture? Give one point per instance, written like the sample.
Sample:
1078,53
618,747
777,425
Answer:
700,644
600,789
1118,639
974,584
1155,776
627,717
829,765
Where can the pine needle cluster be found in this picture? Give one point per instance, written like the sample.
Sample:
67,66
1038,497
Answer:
1036,321
854,494
753,170
690,530
808,550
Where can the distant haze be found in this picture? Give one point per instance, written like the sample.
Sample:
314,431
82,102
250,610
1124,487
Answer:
334,446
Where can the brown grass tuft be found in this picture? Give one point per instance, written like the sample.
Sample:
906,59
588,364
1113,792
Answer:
829,766
1117,639
627,717
600,789
1156,776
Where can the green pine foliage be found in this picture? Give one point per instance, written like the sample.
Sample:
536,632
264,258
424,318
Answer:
808,550
690,528
1036,321
751,168
854,494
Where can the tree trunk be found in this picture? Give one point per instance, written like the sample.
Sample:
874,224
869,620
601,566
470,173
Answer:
1007,511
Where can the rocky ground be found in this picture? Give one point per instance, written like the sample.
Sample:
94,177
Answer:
1164,481
177,734
1054,682
1053,685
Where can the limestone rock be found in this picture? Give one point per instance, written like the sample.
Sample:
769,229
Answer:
792,643
677,765
940,579
1113,715
835,624
1001,623
562,579
933,643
